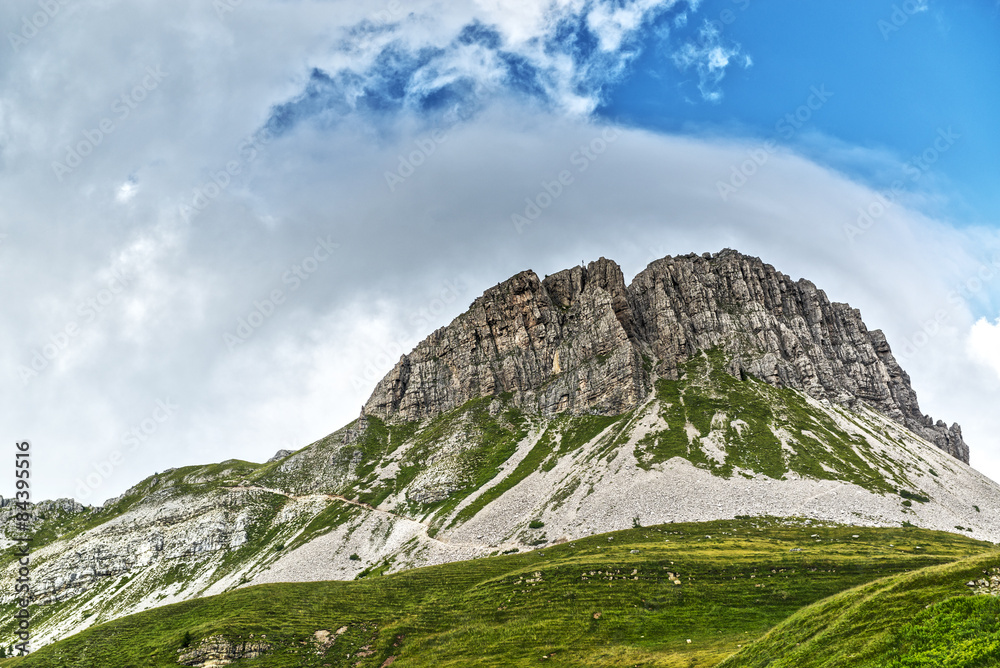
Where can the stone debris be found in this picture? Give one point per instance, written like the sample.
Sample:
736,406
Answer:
989,585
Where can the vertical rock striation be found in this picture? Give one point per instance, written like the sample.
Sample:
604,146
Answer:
583,341
557,345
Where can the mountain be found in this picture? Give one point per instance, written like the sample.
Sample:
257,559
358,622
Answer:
709,388
581,341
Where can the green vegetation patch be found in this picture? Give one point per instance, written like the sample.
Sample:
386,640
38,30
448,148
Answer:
531,463
961,632
733,424
913,496
334,515
913,620
489,442
564,435
622,599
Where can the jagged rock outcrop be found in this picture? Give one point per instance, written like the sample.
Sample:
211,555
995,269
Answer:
785,332
557,344
278,456
988,585
476,481
583,341
219,651
12,522
9,507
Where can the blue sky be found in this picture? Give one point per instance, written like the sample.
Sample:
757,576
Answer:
896,78
166,167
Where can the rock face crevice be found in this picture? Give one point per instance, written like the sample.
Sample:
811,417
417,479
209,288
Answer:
583,341
561,344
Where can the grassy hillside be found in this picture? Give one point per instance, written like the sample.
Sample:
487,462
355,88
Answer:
930,618
481,479
749,420
671,595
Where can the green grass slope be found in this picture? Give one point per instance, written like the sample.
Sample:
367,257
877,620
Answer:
672,595
929,618
745,416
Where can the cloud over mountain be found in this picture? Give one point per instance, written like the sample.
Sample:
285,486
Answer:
275,125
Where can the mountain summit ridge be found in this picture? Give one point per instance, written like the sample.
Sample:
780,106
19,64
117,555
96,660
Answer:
553,410
582,341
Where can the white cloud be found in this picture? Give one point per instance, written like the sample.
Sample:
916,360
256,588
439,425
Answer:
614,23
984,343
710,56
474,50
126,191
308,368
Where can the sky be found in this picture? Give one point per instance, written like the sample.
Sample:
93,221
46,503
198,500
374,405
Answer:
223,221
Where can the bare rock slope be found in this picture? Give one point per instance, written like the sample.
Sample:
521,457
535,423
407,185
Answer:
584,342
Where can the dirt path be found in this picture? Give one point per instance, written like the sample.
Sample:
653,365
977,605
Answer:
360,504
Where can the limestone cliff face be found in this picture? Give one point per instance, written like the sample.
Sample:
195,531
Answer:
783,331
582,341
557,345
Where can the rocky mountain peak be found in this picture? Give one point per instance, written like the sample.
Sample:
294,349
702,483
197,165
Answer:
582,341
